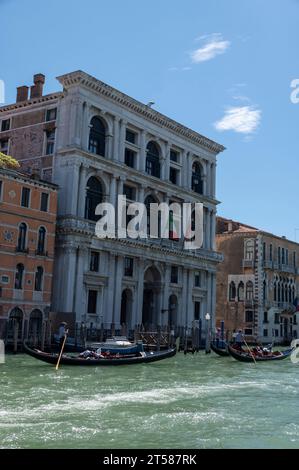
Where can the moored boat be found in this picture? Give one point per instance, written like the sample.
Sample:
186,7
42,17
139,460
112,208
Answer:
249,356
220,349
106,360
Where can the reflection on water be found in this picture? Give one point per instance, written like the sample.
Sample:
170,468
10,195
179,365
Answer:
185,402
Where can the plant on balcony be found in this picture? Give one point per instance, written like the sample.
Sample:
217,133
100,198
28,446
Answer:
8,162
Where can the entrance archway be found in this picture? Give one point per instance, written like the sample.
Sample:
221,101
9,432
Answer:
126,308
151,298
35,325
172,311
15,321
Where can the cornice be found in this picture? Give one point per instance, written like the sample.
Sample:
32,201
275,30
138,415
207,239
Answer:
28,103
80,78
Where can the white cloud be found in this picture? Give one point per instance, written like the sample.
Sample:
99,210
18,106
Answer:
214,44
243,119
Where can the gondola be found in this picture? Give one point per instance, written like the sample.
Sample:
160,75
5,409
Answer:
245,356
220,351
111,360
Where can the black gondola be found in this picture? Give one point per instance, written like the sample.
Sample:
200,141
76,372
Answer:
51,358
221,351
246,356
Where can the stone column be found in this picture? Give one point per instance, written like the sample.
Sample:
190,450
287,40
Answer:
165,315
213,230
82,191
110,294
213,179
122,138
142,155
182,320
80,293
115,155
190,306
68,278
189,171
139,293
112,190
73,188
117,289
208,183
166,162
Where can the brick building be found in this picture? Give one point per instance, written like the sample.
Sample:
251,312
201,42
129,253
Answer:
27,237
257,284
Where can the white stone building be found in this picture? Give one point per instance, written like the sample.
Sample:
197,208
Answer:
107,144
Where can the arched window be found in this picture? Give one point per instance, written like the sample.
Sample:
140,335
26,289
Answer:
94,196
197,182
22,237
97,136
41,241
275,291
232,291
249,290
152,166
278,292
241,291
39,278
249,250
19,276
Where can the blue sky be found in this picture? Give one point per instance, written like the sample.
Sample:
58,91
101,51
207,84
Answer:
223,68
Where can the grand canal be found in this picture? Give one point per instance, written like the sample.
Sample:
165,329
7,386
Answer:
185,402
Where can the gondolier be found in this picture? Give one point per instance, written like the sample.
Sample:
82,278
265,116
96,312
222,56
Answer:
62,332
239,340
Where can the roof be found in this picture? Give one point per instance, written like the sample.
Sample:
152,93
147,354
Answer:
27,178
80,78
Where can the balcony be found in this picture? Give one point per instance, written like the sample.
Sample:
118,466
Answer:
22,250
248,263
41,253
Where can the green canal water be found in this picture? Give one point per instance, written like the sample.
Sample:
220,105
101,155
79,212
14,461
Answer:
200,401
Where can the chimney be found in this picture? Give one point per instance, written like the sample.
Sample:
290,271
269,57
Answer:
36,90
22,93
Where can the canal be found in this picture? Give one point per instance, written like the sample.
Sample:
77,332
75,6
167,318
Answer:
200,401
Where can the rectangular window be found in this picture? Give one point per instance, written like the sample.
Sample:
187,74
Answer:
129,192
173,175
51,114
94,261
5,125
276,333
265,317
129,265
173,156
44,202
174,275
131,136
92,301
249,316
265,333
264,251
277,319
248,331
287,257
197,279
282,256
294,259
50,136
196,310
130,158
4,146
278,255
25,197
271,252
